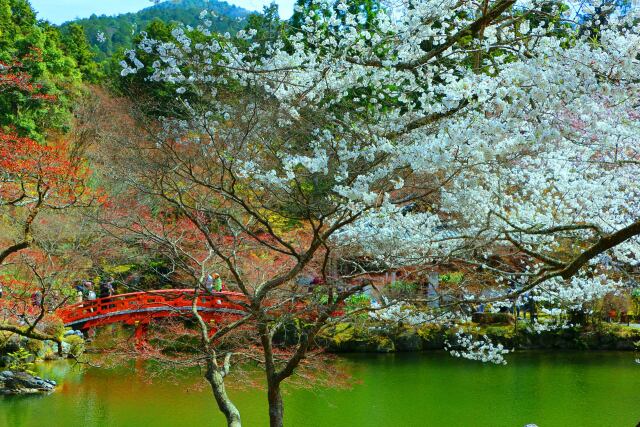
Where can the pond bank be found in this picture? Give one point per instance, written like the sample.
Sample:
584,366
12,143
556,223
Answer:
350,338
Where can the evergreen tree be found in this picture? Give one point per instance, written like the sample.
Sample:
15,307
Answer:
75,44
37,78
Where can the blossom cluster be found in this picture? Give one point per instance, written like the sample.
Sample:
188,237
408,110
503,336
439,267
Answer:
481,349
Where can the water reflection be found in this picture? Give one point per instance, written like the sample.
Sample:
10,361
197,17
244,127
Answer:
549,389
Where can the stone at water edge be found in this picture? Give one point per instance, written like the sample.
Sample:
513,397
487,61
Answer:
23,383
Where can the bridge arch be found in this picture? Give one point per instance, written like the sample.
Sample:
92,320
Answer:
141,307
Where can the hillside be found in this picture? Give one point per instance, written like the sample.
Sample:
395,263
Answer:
120,30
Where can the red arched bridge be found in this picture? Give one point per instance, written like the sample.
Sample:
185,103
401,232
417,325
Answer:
138,308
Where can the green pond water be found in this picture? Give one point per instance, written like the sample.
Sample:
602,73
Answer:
404,390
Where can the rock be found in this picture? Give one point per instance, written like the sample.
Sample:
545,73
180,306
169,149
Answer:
408,341
23,383
49,350
384,345
626,345
492,318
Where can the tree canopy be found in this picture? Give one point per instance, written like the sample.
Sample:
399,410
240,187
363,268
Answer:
109,35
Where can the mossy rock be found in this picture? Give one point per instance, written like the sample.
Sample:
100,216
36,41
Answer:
289,334
9,343
625,345
493,318
409,340
75,345
429,331
385,345
433,336
589,340
345,337
341,333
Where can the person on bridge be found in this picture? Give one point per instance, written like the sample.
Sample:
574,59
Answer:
36,299
91,294
80,290
106,288
213,283
208,284
217,283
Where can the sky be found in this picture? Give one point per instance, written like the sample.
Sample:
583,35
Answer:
59,11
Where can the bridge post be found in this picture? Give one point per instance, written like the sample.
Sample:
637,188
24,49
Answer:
212,330
140,335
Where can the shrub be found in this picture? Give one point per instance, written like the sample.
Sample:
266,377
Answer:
34,346
53,326
76,345
49,354
453,278
635,298
355,302
118,269
20,361
401,287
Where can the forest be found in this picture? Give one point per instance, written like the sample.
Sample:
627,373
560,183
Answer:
112,35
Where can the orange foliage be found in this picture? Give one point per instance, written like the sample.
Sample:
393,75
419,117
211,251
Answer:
32,172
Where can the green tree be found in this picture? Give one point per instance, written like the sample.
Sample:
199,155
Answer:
267,25
75,44
37,78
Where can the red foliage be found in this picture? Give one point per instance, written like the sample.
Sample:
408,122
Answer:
31,172
15,78
33,290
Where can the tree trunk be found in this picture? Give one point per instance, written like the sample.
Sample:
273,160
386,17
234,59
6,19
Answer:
276,406
226,406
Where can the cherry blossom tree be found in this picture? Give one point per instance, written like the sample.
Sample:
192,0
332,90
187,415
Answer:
424,131
245,204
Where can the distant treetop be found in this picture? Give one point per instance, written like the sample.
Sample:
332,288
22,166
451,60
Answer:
109,34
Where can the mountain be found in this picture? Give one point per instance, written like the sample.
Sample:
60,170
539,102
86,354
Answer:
220,7
109,34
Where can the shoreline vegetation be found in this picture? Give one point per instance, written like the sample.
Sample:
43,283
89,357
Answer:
350,338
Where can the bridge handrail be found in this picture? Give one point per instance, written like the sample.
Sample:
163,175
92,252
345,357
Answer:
140,300
154,292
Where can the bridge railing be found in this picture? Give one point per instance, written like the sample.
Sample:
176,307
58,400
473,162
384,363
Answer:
169,299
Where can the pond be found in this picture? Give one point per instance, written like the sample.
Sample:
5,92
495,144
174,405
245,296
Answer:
599,389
